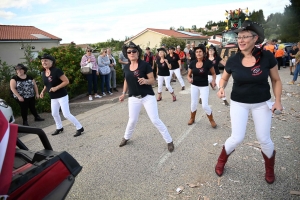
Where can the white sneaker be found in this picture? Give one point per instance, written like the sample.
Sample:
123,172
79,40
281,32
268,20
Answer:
103,94
90,98
110,93
98,96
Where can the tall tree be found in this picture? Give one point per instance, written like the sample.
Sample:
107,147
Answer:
290,25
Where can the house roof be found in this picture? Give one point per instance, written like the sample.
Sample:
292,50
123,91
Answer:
214,42
12,32
169,33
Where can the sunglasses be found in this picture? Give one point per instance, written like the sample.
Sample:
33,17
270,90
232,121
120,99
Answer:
88,51
132,51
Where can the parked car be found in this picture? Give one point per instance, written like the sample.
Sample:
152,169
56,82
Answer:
28,174
7,111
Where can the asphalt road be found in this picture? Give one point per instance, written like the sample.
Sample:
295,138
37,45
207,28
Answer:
144,169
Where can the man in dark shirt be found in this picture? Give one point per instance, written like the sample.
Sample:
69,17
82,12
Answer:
293,53
192,53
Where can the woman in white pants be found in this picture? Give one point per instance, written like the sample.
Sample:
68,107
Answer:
55,82
174,60
138,80
216,59
163,74
198,77
250,69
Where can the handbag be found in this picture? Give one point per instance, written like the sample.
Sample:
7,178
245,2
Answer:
86,69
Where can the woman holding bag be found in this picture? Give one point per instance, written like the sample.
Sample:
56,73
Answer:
104,70
92,78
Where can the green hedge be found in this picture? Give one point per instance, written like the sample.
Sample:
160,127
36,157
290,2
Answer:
68,60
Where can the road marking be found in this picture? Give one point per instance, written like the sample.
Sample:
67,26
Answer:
166,155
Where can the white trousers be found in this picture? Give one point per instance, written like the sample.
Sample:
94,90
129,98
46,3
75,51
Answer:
218,78
160,81
204,92
150,104
63,102
262,117
178,75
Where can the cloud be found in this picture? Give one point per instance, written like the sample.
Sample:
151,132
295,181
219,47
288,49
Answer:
6,15
20,3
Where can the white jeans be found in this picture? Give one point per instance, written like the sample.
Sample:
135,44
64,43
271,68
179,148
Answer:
204,92
63,102
178,75
160,80
262,117
218,78
150,104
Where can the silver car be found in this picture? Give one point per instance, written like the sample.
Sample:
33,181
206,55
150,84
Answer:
7,111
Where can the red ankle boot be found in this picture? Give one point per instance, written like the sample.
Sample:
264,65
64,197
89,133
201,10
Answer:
221,162
269,165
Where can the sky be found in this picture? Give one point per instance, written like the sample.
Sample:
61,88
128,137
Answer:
95,21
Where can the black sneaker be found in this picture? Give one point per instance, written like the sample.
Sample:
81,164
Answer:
38,119
25,123
115,89
291,73
58,131
78,132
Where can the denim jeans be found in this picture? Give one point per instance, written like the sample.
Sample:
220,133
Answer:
296,72
92,82
105,79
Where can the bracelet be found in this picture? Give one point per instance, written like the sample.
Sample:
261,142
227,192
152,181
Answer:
221,87
123,92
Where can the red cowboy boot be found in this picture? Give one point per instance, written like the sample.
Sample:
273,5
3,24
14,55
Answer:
269,165
219,169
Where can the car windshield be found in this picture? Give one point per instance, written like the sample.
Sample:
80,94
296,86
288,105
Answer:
229,38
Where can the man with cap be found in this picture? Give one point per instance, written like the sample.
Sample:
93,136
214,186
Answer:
250,68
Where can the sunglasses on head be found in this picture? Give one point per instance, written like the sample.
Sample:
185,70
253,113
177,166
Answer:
132,51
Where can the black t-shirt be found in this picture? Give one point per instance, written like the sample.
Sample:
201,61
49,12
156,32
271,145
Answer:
24,87
250,84
135,89
293,52
173,60
215,63
200,77
149,58
53,80
192,55
163,69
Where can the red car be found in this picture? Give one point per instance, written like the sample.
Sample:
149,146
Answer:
26,174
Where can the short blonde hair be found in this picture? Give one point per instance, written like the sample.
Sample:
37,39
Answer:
103,50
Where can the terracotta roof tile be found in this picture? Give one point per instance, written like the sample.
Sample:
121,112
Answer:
10,32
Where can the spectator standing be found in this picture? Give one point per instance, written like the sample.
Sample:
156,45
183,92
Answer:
122,60
293,53
297,64
104,61
113,73
187,55
149,58
92,78
182,57
278,55
25,91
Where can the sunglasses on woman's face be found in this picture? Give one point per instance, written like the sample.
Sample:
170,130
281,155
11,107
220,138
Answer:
88,51
132,51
